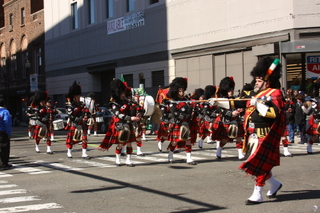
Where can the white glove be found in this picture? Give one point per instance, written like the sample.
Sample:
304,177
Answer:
212,101
253,101
262,108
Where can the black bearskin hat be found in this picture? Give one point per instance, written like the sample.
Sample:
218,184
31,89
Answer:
117,87
246,89
40,96
175,85
74,89
92,95
261,71
226,85
197,93
209,91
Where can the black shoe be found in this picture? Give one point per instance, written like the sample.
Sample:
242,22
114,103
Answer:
5,167
86,158
310,153
142,155
37,151
219,157
291,141
170,161
160,150
122,154
275,193
250,202
50,153
130,165
176,151
192,163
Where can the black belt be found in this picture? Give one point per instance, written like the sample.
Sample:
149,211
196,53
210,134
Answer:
261,125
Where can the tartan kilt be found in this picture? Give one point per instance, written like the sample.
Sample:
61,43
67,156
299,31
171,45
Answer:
71,132
194,128
204,129
312,127
286,132
162,131
175,133
36,132
111,136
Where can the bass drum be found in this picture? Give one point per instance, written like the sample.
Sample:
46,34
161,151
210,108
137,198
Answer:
148,104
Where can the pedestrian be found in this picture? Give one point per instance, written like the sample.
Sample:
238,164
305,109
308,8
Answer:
120,131
264,123
180,114
42,116
300,118
5,134
78,115
290,117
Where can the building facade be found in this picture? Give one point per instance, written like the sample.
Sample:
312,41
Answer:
22,52
154,41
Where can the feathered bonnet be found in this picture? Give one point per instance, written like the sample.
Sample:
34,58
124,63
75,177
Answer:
226,85
74,89
117,87
175,85
40,96
209,91
197,94
268,69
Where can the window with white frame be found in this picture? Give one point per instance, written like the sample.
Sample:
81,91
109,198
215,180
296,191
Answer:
74,16
130,5
109,8
91,11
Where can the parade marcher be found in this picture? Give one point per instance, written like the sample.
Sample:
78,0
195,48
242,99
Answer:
93,115
228,126
78,115
155,119
180,115
207,115
42,117
52,111
312,111
120,131
5,134
267,116
31,118
264,123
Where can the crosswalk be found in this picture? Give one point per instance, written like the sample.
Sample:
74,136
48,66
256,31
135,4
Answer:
77,164
15,199
11,196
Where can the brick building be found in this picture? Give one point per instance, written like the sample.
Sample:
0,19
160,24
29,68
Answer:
22,51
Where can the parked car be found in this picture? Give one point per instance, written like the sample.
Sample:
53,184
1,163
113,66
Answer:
106,114
62,114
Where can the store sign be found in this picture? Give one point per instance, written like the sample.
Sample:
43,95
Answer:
126,23
34,82
313,65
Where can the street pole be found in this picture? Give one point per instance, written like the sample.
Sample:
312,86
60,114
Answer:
28,65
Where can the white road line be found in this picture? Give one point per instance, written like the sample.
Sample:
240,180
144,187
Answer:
30,170
4,175
8,186
123,159
58,166
14,191
3,181
18,199
27,208
150,158
93,163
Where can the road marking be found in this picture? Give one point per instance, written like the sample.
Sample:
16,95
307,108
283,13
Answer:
19,199
4,175
30,170
27,208
14,191
58,166
3,181
8,186
93,163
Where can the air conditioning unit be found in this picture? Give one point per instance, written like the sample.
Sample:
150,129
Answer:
10,27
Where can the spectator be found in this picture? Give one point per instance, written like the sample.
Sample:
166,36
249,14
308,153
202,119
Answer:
300,118
290,119
5,134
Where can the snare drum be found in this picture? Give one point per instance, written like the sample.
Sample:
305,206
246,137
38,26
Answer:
99,119
58,124
32,122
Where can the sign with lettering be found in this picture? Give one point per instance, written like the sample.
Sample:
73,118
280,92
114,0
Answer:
313,65
126,23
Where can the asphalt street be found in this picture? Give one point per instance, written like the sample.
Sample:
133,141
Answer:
53,183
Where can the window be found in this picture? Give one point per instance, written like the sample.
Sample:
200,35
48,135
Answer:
23,16
11,19
129,79
91,11
130,5
74,16
154,1
14,68
109,8
38,65
157,78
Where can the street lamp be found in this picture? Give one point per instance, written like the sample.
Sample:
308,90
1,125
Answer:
27,66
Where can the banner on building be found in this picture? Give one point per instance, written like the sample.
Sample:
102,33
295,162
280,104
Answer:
312,65
126,23
33,82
